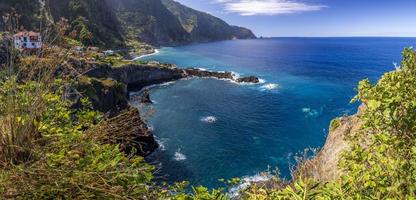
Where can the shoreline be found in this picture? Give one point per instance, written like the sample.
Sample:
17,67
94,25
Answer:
135,101
156,51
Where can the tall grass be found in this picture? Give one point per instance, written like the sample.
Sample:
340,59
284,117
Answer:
24,79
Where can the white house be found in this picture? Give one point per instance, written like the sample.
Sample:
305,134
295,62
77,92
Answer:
27,40
109,53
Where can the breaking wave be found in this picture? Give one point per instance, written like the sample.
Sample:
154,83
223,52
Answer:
179,156
246,182
270,86
209,119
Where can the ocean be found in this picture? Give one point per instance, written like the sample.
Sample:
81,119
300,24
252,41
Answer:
211,129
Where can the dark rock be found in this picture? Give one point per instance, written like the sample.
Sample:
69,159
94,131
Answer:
4,55
136,77
145,97
248,79
209,74
129,131
220,75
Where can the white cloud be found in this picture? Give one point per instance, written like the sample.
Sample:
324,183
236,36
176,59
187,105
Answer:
267,7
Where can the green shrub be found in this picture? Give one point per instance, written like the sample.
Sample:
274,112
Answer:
335,123
381,163
69,164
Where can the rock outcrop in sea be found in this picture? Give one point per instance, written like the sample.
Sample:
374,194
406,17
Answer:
137,76
249,79
145,97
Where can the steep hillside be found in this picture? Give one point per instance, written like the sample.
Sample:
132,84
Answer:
30,7
115,23
93,20
149,21
205,27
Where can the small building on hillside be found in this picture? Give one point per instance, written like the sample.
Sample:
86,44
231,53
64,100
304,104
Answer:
27,40
109,53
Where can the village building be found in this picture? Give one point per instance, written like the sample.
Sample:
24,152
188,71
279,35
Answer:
109,53
27,40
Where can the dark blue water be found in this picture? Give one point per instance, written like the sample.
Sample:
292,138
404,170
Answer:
211,129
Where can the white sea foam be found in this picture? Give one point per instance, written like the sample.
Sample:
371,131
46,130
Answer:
246,182
270,86
179,156
202,69
167,83
150,127
261,81
161,143
209,119
235,75
151,87
157,51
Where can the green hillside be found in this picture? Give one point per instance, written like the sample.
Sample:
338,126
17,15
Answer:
115,23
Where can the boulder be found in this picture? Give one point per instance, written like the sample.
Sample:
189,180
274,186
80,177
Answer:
145,98
248,79
208,74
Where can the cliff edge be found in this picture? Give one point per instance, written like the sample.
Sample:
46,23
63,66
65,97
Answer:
324,166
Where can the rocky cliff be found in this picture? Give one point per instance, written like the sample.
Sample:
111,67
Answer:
324,166
116,23
129,131
137,76
203,26
106,95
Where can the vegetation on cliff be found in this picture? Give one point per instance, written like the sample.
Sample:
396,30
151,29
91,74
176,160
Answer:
124,23
50,148
78,153
205,27
381,160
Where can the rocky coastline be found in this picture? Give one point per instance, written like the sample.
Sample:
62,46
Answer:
138,76
109,87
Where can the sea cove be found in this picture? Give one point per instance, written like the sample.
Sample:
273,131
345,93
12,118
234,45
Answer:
210,129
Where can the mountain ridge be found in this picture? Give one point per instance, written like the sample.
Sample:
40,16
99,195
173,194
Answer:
203,26
116,23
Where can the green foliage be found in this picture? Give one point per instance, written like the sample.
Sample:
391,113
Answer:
335,123
72,42
69,164
201,193
46,152
18,110
80,25
382,161
115,60
141,62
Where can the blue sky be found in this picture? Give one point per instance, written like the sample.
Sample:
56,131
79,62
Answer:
316,18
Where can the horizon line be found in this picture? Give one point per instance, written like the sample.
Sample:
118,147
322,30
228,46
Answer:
355,36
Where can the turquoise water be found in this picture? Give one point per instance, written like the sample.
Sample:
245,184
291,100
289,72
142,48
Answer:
211,129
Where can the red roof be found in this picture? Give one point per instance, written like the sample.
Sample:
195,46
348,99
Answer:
26,33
